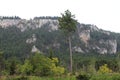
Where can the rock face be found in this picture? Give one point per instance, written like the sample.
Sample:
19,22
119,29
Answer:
78,49
34,49
90,38
31,40
53,24
94,28
110,46
84,35
113,46
102,42
23,24
9,22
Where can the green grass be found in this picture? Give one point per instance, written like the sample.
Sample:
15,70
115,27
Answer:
36,78
51,78
112,76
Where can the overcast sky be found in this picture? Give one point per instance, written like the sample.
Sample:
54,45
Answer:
103,13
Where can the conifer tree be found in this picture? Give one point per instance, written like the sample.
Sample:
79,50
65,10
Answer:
67,24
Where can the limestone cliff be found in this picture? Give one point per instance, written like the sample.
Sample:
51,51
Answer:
87,39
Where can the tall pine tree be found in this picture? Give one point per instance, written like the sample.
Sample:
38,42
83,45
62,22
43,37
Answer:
68,26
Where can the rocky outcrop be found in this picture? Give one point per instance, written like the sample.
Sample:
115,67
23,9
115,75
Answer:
31,40
35,49
90,37
23,24
104,44
78,49
102,51
8,22
85,36
94,28
53,24
110,46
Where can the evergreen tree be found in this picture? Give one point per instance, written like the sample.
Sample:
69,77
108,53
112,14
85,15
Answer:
68,26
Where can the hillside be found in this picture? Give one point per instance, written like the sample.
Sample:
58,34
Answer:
20,37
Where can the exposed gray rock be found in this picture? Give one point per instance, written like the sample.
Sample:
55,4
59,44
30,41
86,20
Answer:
34,49
111,46
31,40
84,35
103,51
78,49
53,24
105,32
94,28
8,22
23,24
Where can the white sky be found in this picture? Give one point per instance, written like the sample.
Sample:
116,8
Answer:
103,13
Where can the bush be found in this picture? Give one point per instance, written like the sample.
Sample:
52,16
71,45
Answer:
22,78
104,69
82,77
17,78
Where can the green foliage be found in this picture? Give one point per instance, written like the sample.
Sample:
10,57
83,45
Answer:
112,64
5,72
39,78
11,65
37,64
97,35
104,69
44,66
12,42
26,68
57,70
41,64
82,77
2,62
67,22
16,78
113,76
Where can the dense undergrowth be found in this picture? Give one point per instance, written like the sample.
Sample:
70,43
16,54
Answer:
108,76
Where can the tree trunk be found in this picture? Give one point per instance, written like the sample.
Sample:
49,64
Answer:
70,54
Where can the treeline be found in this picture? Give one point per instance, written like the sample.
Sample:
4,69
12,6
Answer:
8,17
47,17
91,63
35,65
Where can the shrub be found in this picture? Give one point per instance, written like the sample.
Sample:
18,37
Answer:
17,78
104,69
82,77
